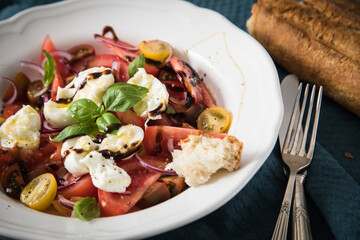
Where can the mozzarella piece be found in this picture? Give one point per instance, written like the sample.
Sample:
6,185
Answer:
157,98
21,129
82,155
128,139
91,84
75,149
105,174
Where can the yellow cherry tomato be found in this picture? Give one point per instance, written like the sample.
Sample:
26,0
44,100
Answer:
40,192
154,50
214,120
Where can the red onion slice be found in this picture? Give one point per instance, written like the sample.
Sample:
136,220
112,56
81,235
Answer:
13,97
33,66
67,183
66,202
127,48
61,53
42,92
45,126
152,168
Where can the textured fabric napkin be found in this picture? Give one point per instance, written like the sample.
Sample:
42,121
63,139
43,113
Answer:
333,182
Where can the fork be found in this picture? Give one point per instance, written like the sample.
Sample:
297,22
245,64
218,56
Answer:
294,157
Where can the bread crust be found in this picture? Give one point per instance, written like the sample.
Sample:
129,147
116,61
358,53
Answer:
345,12
311,60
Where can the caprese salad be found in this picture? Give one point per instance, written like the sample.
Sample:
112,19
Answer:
105,134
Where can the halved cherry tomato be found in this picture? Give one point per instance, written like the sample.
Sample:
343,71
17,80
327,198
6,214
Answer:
112,204
12,181
83,188
158,192
40,192
81,51
11,109
58,82
32,91
154,50
214,120
175,184
21,82
156,138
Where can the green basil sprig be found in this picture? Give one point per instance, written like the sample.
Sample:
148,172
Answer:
138,62
86,209
49,69
120,97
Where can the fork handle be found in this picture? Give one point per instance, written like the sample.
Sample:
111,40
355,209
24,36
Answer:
301,222
281,227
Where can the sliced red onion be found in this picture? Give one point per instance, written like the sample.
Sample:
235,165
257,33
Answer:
127,48
152,168
115,66
33,66
176,101
42,92
48,128
67,183
65,201
13,97
68,66
61,53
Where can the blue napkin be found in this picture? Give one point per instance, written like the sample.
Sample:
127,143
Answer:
333,182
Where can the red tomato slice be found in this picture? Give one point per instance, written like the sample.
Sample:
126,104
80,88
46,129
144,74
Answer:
47,45
5,158
12,181
112,204
12,108
58,82
156,138
151,69
130,117
83,188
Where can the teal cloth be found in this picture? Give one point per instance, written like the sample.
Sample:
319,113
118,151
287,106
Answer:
333,182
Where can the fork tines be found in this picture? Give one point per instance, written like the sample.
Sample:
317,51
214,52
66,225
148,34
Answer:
296,148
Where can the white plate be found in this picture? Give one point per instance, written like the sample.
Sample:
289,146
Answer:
236,68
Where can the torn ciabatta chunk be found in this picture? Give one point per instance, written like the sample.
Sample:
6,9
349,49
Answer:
202,155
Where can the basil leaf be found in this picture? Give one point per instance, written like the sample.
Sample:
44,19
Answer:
86,209
74,131
123,96
107,122
84,110
49,69
138,62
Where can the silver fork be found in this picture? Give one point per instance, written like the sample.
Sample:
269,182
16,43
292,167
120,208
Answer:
295,159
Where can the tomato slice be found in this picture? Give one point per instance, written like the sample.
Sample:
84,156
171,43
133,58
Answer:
158,138
47,45
130,117
57,82
40,192
214,120
112,204
175,184
151,69
83,188
12,181
158,192
11,109
6,157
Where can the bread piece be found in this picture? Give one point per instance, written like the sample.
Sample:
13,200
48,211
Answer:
345,12
315,25
309,59
202,155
